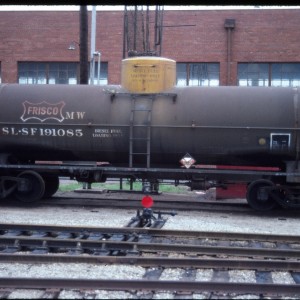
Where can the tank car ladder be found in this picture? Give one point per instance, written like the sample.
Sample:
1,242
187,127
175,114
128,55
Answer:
134,135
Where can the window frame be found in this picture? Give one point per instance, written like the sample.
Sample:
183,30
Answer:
188,69
270,75
31,72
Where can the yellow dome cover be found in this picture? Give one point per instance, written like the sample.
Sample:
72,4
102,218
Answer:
148,74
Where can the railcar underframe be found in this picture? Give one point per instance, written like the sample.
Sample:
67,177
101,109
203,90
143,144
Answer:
266,188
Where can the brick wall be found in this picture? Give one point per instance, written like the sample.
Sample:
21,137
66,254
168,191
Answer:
260,35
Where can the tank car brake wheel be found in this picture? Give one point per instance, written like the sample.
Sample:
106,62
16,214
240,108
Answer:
33,190
51,185
258,196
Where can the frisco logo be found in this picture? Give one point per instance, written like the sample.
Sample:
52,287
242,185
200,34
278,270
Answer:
42,111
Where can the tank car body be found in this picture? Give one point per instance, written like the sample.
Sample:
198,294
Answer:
146,135
222,125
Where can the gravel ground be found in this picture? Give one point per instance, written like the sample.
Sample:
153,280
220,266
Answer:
185,220
232,222
79,216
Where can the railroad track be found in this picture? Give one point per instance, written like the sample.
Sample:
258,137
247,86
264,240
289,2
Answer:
208,263
133,201
174,204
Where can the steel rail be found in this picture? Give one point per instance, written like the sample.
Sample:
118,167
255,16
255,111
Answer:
152,232
154,285
166,262
99,195
159,204
125,246
134,196
133,203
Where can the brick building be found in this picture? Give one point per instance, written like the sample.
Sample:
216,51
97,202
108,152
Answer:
220,47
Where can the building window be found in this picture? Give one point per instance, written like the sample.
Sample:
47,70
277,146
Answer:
286,74
103,73
269,74
47,73
62,73
198,74
55,73
253,74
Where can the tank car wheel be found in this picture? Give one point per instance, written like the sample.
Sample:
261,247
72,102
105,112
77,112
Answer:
7,187
51,185
258,196
34,189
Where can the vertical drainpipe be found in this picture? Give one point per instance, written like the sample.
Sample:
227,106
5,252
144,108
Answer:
93,43
229,25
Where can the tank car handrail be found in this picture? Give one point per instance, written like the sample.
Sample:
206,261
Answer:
166,126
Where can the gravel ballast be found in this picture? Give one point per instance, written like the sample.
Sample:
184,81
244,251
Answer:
104,217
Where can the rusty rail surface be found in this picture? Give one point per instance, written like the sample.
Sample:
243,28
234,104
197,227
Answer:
152,232
135,203
165,262
156,285
132,246
125,246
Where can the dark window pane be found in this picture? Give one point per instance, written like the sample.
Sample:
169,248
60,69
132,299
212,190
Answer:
285,74
198,74
55,73
181,73
31,73
204,74
103,76
253,74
